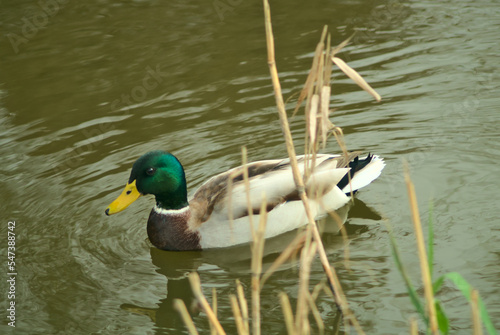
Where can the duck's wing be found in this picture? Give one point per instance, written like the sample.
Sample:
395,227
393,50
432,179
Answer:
224,195
213,194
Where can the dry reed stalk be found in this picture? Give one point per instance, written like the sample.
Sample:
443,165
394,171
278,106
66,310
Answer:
342,45
214,300
318,91
313,118
316,314
257,252
317,289
194,280
339,300
238,318
284,256
343,232
258,241
290,147
244,161
314,309
230,215
307,91
422,254
339,137
317,125
327,72
186,318
413,326
214,308
358,79
476,318
347,316
302,312
325,112
317,108
243,305
345,239
288,314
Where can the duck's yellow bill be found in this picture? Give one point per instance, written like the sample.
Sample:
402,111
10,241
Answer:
128,196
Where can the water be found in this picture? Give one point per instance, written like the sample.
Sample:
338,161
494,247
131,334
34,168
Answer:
87,89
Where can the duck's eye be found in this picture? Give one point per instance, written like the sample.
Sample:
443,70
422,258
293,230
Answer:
150,171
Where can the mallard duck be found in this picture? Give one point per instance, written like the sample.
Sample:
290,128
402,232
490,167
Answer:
202,222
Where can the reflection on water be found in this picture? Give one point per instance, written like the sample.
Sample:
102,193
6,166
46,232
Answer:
86,88
224,265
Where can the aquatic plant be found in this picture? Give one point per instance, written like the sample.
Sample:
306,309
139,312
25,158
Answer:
432,311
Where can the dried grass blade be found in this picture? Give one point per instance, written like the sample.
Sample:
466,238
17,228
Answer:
326,125
288,314
243,305
186,318
313,118
302,312
422,255
319,75
327,73
194,280
230,214
284,256
247,188
292,155
258,250
413,326
345,237
316,314
342,45
312,76
214,308
356,77
238,319
476,318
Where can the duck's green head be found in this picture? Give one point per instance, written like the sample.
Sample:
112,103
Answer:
158,173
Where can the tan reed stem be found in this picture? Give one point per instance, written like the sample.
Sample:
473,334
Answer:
238,318
194,280
186,318
291,153
243,305
413,326
288,314
214,308
476,318
422,254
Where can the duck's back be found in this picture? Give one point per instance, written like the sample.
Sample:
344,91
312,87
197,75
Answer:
223,220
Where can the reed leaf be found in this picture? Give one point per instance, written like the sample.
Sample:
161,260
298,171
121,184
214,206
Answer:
409,286
466,289
430,240
356,77
442,319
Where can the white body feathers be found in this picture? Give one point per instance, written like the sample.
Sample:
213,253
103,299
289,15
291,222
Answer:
285,211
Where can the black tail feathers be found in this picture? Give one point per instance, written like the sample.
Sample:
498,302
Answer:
355,165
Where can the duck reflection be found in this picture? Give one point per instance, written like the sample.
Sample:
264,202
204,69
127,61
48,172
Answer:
236,261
